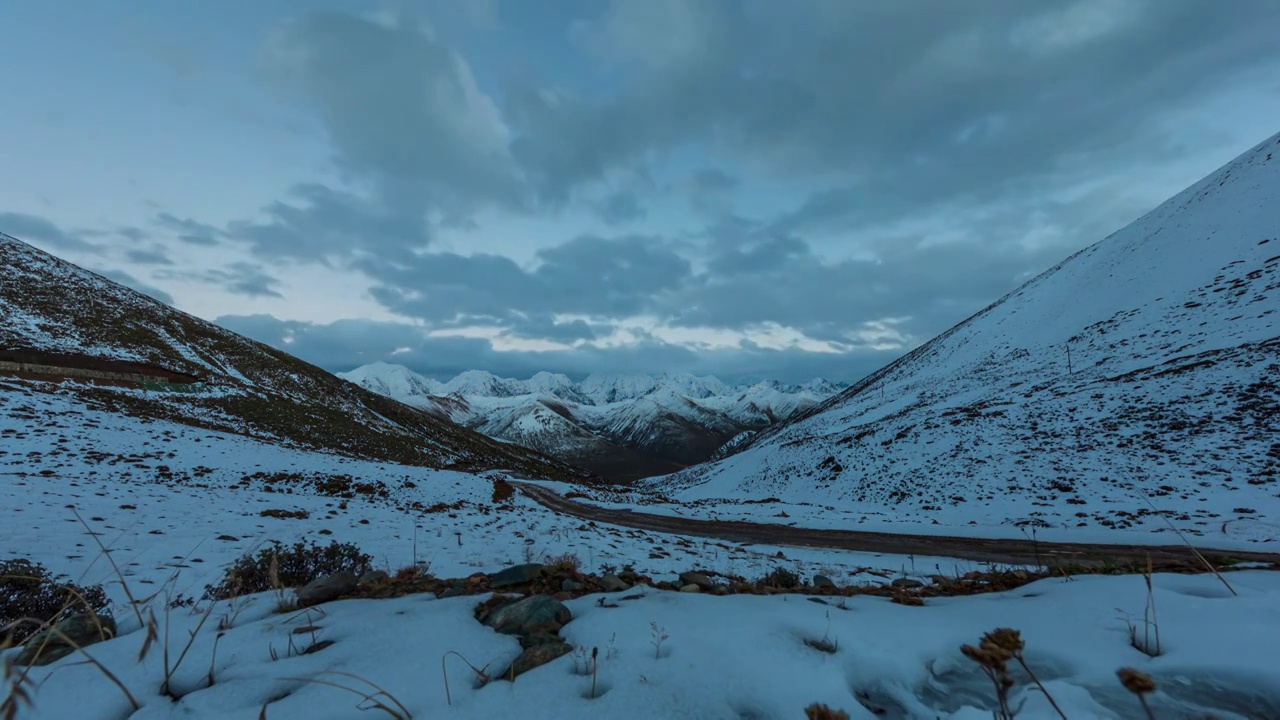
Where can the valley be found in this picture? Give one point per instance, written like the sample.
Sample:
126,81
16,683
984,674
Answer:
622,427
1098,443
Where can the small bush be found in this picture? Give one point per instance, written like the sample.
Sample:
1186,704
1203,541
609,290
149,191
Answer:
293,567
564,564
502,491
282,514
781,578
29,590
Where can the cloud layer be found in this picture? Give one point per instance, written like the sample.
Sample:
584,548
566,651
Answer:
735,187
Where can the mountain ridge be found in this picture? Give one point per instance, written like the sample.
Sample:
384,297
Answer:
50,306
621,426
1127,381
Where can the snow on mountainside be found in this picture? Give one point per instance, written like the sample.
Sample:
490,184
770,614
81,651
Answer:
1137,377
621,426
57,315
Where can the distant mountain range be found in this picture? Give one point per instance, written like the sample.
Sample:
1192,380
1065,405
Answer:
620,426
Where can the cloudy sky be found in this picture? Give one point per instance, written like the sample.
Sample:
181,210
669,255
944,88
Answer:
750,188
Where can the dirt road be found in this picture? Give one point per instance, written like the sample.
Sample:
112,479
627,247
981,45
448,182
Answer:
1006,551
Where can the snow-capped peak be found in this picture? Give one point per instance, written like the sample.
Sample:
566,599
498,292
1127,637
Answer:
392,380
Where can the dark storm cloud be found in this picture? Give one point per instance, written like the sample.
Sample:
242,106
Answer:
347,344
41,230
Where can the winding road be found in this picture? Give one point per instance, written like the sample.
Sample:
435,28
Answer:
1011,551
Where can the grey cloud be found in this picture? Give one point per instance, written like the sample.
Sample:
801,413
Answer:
587,275
154,255
544,327
189,231
911,102
42,230
316,222
346,344
620,207
240,278
400,107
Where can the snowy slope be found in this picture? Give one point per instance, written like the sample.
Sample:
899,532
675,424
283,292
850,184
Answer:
175,504
620,426
52,308
1169,390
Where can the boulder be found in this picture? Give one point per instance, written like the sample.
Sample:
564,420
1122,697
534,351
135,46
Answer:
571,585
454,591
690,588
823,581
907,583
535,656
613,583
59,641
516,575
329,587
695,578
529,615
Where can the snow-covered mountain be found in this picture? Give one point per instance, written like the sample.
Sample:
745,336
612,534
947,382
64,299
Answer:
129,354
1140,376
622,426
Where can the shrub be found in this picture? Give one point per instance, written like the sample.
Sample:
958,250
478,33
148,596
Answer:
502,491
29,590
567,564
282,514
781,578
285,566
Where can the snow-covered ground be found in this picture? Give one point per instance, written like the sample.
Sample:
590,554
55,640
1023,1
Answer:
723,657
161,494
173,505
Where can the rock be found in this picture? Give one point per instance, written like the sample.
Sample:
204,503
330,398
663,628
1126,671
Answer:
571,585
539,638
455,591
329,587
535,656
907,583
528,615
823,581
516,575
694,578
51,644
373,577
613,583
690,588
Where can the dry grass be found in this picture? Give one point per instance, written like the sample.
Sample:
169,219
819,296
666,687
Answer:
482,678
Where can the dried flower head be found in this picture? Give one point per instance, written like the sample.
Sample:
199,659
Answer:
1138,683
986,655
1006,639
